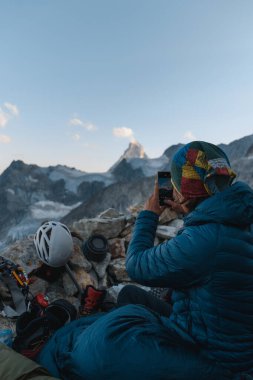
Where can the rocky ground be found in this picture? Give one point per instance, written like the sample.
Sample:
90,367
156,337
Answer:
109,274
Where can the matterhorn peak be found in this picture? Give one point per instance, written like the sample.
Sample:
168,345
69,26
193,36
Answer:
134,150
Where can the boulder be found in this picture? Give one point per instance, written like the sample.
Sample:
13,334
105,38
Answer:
117,270
117,247
110,213
109,228
101,267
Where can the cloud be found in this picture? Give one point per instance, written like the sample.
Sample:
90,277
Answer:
90,127
3,118
75,121
12,108
189,136
123,132
4,139
76,137
86,125
7,112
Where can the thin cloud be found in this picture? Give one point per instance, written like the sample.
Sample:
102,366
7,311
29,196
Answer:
3,118
90,127
86,125
7,112
75,121
76,137
4,139
12,108
124,132
189,136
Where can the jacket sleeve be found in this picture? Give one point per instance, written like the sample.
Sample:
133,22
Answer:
181,262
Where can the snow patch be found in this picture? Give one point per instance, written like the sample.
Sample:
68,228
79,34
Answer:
149,166
2,245
73,178
106,178
31,179
59,172
51,210
11,191
20,231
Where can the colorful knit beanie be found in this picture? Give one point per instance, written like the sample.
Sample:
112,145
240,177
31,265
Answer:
200,169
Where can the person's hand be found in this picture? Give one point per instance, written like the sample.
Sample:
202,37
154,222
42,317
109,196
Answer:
152,203
177,207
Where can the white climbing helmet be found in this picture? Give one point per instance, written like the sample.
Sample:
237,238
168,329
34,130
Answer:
54,244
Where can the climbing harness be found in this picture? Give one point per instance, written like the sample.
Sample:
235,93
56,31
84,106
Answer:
17,281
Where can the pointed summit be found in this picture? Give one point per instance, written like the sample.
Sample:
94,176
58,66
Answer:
134,150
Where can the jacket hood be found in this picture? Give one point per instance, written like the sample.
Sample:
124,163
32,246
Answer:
233,206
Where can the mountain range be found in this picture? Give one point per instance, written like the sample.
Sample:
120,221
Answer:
30,194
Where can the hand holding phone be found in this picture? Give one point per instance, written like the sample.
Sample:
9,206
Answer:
165,187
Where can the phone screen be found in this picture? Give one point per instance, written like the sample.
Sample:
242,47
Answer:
165,187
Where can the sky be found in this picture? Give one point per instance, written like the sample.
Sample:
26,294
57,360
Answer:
80,79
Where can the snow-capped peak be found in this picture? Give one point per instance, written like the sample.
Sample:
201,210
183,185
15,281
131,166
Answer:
134,150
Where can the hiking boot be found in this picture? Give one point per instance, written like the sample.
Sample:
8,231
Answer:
32,334
60,312
34,328
91,300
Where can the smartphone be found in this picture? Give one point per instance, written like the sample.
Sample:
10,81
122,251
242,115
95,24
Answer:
165,187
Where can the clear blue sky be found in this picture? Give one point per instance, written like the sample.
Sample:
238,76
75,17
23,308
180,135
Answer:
79,79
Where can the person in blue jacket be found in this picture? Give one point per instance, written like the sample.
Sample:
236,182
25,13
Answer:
208,333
